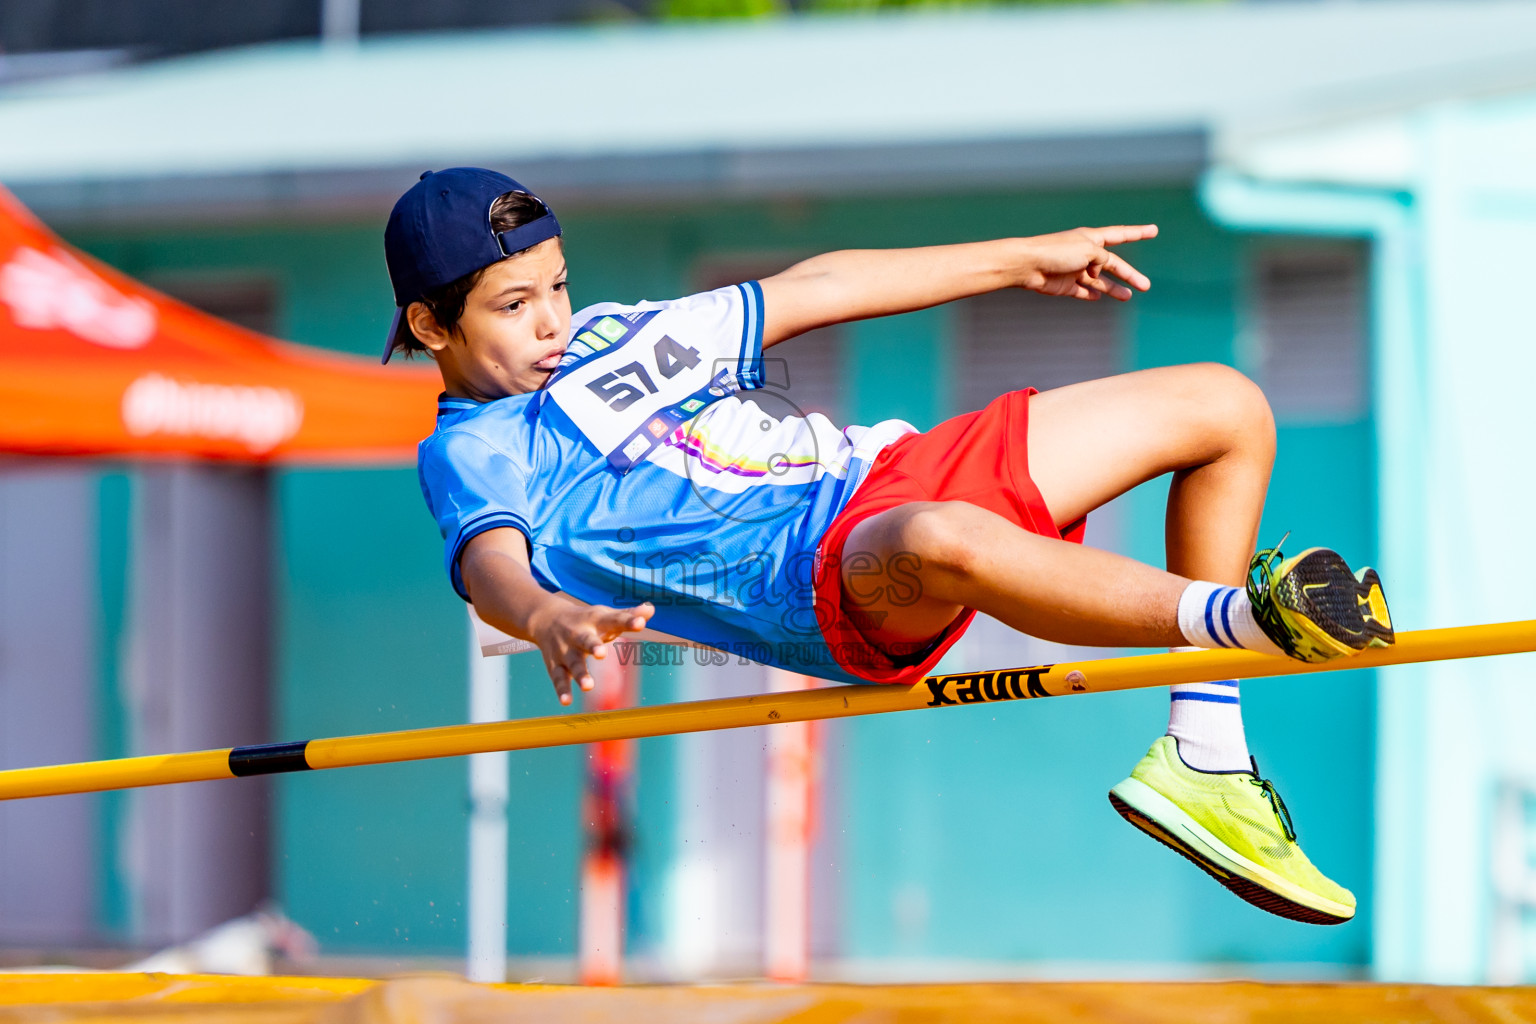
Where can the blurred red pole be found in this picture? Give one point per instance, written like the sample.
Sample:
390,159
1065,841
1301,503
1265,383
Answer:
606,812
793,768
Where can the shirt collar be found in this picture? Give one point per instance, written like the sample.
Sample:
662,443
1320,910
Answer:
447,406
452,410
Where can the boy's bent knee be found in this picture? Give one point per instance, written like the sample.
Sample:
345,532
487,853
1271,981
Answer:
942,534
1232,407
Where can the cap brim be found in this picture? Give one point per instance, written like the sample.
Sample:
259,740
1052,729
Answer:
398,324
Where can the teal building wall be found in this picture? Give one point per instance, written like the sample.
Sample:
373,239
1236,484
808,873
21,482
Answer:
993,822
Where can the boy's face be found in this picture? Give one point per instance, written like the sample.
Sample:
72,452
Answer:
514,329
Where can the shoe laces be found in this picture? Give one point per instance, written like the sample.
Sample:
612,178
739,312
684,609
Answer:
1261,581
1281,811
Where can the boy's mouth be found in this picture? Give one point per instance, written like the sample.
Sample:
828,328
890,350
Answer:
551,361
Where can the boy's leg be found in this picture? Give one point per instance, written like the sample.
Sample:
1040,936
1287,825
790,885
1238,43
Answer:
1208,425
1222,448
1087,444
969,556
1212,428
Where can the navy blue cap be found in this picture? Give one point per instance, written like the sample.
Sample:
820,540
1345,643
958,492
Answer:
440,231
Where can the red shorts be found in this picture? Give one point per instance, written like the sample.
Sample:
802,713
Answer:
980,457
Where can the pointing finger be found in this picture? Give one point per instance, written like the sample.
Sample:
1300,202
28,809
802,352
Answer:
1119,234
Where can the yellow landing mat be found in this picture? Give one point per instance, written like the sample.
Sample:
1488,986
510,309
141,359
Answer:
145,999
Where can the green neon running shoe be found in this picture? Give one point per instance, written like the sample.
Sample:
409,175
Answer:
1314,608
1234,827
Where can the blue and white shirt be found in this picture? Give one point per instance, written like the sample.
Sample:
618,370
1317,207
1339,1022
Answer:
660,465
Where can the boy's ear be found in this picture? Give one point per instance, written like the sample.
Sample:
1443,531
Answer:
425,326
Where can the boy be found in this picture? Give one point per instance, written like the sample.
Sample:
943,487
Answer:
588,481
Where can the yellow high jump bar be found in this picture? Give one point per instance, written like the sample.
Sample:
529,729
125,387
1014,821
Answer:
1101,676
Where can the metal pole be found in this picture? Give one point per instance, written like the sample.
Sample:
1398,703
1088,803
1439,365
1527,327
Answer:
489,789
789,829
1101,676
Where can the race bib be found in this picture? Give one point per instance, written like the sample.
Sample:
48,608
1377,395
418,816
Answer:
628,381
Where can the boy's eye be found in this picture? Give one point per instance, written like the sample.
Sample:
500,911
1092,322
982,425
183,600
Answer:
513,306
560,286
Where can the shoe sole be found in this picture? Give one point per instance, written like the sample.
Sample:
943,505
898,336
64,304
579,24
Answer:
1373,608
1326,603
1163,820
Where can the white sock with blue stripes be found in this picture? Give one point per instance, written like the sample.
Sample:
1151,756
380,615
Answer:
1211,615
1206,720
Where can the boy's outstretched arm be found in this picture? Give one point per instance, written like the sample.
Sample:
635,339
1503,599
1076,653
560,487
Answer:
494,565
856,284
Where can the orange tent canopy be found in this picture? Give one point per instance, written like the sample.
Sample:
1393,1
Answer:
95,363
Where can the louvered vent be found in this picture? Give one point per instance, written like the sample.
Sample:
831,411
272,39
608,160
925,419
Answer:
815,370
1013,339
1310,325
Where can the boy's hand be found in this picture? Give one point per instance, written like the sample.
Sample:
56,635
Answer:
1073,263
569,632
